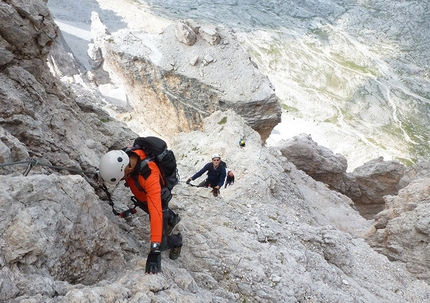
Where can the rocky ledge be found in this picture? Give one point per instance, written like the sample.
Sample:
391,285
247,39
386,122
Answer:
188,72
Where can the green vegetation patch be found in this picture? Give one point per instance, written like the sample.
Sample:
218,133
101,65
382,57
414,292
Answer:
333,120
223,121
351,65
288,108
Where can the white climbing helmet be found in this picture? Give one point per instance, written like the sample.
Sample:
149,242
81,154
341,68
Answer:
216,155
112,166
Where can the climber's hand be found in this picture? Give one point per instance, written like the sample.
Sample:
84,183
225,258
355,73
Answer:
153,263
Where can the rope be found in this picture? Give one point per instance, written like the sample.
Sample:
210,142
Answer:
13,163
34,162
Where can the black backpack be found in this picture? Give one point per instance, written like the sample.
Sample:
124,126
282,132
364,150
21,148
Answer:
223,164
156,150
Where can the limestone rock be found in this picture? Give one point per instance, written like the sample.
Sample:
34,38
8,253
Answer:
317,161
5,54
36,108
185,34
170,77
210,34
419,170
207,60
95,56
402,230
29,28
11,150
366,185
98,30
194,60
376,179
62,61
47,231
193,24
277,233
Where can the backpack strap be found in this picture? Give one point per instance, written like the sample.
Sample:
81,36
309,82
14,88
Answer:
161,156
142,166
144,162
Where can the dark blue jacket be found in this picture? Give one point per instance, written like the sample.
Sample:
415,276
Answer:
215,176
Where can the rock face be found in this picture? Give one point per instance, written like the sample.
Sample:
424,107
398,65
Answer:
27,33
402,230
366,185
188,72
40,117
396,197
277,233
47,231
375,179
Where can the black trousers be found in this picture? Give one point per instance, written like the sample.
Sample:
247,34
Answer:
205,184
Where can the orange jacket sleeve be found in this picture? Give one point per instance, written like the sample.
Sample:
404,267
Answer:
152,188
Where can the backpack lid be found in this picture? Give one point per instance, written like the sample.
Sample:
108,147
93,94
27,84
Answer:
150,144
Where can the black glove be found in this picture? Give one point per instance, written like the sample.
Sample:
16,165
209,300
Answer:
153,263
189,180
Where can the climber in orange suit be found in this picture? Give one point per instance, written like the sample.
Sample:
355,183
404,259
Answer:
147,185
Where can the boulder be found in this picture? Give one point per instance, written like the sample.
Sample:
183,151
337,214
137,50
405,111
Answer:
402,230
376,179
185,34
366,185
210,34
